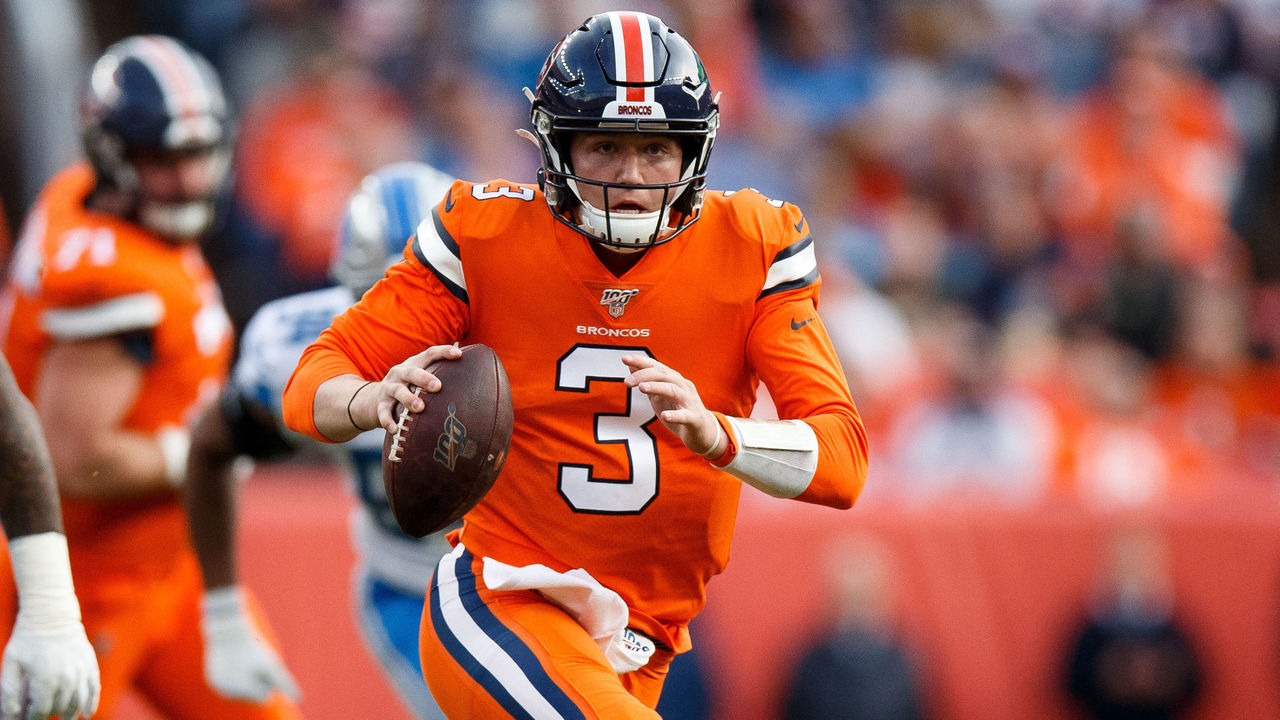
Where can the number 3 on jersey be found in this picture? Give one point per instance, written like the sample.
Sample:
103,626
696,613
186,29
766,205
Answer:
482,192
585,493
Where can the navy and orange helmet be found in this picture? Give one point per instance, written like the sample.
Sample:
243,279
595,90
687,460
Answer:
153,95
624,72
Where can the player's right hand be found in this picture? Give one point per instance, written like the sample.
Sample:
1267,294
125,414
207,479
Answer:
238,662
49,669
676,402
394,387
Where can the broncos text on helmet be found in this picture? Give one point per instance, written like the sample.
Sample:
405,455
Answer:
150,96
380,217
624,72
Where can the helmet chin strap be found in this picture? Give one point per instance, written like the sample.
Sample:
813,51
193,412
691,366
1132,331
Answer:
178,221
630,231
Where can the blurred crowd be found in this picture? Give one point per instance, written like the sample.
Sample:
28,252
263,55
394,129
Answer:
1049,235
1049,229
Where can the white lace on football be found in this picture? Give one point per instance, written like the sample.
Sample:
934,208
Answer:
402,424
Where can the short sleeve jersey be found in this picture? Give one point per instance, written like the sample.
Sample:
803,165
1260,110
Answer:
593,480
79,274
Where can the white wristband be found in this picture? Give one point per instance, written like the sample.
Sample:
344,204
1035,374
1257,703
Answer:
175,445
778,457
42,572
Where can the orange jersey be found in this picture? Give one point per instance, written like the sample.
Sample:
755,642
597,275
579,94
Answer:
593,480
80,274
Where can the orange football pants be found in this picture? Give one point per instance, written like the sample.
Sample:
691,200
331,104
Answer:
145,630
491,655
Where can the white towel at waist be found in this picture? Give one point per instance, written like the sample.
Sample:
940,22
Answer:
599,610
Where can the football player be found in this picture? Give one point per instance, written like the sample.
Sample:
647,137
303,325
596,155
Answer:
635,311
49,667
117,333
394,568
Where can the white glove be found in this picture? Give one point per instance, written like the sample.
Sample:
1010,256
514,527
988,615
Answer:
238,662
49,667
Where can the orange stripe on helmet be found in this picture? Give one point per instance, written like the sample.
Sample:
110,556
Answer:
633,38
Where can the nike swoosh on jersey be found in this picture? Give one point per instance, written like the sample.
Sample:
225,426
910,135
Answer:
800,225
448,201
797,325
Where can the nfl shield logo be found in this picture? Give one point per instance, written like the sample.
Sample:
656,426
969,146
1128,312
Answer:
617,300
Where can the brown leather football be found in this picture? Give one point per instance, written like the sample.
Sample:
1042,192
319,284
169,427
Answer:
440,462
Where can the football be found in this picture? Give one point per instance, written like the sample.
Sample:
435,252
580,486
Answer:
440,462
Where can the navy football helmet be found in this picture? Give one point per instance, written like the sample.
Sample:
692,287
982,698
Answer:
150,95
624,72
380,217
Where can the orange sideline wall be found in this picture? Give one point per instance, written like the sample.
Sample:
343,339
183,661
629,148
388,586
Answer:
987,598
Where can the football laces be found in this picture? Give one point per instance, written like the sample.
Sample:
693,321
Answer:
402,424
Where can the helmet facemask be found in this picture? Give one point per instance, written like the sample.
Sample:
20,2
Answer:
681,200
624,231
580,90
189,215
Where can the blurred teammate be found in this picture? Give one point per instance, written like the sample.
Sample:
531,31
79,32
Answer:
635,313
394,569
49,667
118,335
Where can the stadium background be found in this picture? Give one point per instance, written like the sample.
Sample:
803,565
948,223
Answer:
1048,231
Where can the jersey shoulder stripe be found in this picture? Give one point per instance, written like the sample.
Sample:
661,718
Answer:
777,229
126,313
795,266
436,249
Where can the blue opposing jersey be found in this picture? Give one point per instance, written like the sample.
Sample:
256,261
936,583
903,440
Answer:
269,350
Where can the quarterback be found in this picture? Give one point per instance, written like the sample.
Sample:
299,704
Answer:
635,312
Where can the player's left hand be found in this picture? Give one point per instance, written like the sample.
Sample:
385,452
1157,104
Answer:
238,663
676,402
